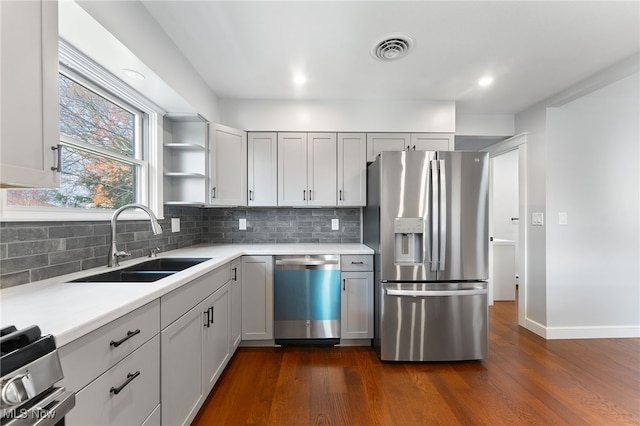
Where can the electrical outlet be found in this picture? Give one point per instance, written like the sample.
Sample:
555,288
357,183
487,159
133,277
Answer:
242,225
335,224
563,218
537,219
175,224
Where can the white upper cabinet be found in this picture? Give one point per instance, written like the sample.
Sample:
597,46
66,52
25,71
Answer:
29,108
307,169
432,142
262,165
228,167
322,169
352,169
378,142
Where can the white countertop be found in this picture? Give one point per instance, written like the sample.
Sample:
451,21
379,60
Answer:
70,310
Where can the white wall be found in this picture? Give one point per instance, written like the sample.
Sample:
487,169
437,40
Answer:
131,23
339,116
581,283
593,277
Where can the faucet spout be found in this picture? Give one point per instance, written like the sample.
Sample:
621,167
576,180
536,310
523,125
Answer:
114,254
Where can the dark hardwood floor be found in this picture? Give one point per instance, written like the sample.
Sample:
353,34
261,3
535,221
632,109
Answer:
524,380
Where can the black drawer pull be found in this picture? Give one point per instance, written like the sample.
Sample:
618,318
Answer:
344,284
130,377
357,263
130,334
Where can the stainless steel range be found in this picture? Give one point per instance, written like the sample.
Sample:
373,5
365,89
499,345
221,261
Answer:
29,369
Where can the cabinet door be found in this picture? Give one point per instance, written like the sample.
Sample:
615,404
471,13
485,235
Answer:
378,142
257,297
182,378
217,341
352,169
236,303
432,142
228,167
292,169
322,169
29,84
356,319
262,162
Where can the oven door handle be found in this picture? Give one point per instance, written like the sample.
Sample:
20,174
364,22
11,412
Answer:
51,410
429,293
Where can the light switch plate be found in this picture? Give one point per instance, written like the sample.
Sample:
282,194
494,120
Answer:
242,225
335,224
563,219
537,219
175,224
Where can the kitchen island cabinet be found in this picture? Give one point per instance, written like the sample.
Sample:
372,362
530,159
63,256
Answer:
29,85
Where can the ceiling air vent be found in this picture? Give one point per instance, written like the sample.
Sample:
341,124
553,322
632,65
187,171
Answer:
392,47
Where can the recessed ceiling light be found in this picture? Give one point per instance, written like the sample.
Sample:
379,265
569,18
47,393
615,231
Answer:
299,79
133,75
485,81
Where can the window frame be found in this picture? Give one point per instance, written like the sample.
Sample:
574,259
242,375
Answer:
78,67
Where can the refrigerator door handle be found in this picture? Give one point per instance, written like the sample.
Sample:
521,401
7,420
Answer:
443,215
429,293
434,215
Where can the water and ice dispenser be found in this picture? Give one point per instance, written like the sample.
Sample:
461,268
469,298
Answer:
409,234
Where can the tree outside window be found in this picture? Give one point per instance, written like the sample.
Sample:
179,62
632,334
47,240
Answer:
101,152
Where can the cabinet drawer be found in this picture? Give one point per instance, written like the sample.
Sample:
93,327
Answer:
356,262
86,358
98,404
179,301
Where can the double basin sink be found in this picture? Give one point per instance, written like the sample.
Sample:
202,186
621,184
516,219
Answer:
145,272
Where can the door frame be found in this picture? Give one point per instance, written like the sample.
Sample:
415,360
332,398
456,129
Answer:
518,142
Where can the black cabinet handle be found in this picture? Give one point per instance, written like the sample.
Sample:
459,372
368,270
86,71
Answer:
213,321
304,195
340,198
235,274
130,377
250,195
357,263
309,195
208,322
130,334
344,284
58,167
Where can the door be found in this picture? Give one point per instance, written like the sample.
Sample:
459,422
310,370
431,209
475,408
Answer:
379,142
257,297
432,142
463,214
356,316
236,303
216,341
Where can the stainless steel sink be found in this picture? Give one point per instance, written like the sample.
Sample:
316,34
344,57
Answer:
145,272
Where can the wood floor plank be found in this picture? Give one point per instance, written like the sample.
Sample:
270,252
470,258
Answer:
524,380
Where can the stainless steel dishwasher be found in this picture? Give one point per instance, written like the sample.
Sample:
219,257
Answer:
307,299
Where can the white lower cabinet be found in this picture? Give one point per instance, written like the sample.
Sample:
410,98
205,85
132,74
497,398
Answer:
356,302
257,297
124,395
196,346
236,303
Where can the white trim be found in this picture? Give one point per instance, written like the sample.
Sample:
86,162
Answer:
535,327
594,332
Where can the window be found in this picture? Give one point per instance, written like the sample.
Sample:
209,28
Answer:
104,147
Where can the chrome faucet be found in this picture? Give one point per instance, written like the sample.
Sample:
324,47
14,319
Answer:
114,254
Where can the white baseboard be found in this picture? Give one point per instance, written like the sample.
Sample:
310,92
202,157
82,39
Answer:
595,332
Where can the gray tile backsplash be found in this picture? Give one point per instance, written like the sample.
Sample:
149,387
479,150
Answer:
32,251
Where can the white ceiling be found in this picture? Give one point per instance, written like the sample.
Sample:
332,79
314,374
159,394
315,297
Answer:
251,50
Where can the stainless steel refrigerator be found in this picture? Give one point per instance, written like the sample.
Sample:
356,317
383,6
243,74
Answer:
427,220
